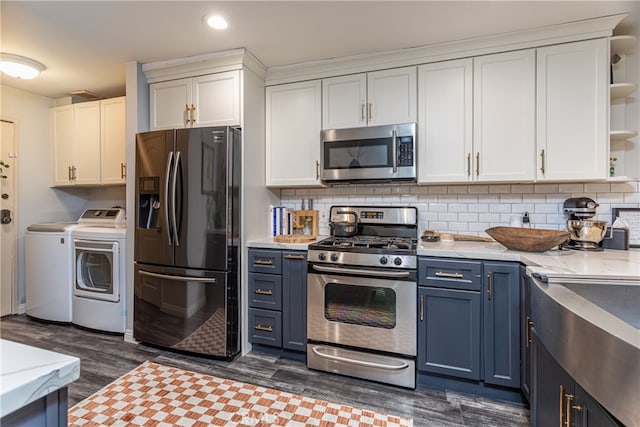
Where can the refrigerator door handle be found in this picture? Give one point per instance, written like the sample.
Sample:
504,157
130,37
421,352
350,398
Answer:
178,278
173,198
166,196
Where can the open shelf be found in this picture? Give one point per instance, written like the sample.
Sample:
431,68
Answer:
621,90
623,44
620,135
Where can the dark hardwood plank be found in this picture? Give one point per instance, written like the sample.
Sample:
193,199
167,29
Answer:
103,358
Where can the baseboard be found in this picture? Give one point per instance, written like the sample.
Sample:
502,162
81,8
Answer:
22,308
128,337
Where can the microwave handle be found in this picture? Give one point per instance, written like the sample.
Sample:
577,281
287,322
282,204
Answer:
394,142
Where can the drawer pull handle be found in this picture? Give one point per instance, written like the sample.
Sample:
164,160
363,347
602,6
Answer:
449,275
263,328
263,262
294,257
263,292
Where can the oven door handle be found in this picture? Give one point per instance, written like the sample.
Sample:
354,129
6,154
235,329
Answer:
361,272
399,367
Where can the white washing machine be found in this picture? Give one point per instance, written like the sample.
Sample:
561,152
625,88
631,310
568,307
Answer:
99,273
49,271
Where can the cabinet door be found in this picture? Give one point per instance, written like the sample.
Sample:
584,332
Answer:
168,104
572,122
86,141
504,116
445,108
293,117
449,332
587,412
344,102
216,99
61,141
501,315
550,383
393,96
113,140
294,300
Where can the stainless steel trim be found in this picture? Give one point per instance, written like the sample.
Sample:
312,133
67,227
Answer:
361,272
391,214
166,196
178,278
394,150
317,351
173,199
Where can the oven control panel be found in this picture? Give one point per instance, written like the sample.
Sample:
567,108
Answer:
362,259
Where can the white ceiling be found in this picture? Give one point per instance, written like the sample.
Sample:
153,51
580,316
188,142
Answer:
85,44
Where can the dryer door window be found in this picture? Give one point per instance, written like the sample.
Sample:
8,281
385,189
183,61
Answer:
96,271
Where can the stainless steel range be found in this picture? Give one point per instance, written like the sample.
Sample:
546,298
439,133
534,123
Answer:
362,293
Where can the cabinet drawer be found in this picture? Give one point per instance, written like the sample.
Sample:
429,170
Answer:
265,327
265,261
265,291
450,274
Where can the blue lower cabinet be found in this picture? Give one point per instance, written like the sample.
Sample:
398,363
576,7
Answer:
449,332
265,327
278,298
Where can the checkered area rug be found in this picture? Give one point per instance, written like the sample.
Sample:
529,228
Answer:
157,395
209,338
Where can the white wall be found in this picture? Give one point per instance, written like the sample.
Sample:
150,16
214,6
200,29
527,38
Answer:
37,201
471,209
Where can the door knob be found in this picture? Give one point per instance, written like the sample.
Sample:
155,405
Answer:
5,216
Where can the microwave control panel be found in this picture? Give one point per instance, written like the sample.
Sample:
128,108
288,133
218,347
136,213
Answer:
405,151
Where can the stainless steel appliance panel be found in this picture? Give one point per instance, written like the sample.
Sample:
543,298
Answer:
397,335
186,310
202,172
382,368
154,158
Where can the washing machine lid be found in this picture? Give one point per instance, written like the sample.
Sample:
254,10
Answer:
52,227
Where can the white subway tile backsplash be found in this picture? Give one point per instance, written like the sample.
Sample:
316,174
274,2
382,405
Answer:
471,208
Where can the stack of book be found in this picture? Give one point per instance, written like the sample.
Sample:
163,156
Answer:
281,220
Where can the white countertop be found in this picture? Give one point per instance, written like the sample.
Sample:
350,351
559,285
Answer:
29,373
608,264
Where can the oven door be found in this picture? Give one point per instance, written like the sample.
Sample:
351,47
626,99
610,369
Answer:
357,307
96,270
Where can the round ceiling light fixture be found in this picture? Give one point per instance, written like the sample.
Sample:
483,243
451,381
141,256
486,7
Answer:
20,67
216,22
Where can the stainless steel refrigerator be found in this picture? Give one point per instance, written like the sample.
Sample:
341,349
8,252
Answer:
187,255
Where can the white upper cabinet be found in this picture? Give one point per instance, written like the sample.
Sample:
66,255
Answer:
445,121
504,113
113,140
572,119
371,99
210,100
88,142
293,121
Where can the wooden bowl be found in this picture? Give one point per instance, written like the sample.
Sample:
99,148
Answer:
528,239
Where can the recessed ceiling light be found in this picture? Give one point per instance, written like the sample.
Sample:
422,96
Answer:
216,22
19,67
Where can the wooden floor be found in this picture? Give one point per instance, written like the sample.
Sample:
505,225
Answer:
103,358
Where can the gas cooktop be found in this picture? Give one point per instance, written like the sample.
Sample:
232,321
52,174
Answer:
368,244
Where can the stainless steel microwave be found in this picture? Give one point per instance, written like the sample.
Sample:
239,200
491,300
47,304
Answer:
375,153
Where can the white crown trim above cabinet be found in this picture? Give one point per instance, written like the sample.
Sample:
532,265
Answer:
293,121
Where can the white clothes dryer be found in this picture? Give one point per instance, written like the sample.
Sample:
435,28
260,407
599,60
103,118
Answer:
99,274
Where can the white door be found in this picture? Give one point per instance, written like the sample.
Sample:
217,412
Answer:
216,100
504,100
169,104
573,94
393,96
113,140
8,202
293,120
344,102
445,125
